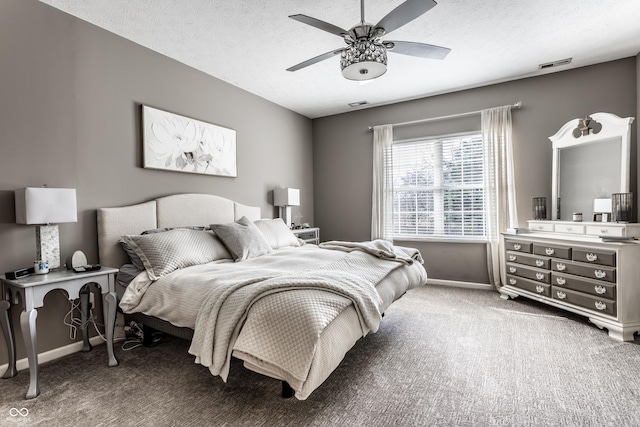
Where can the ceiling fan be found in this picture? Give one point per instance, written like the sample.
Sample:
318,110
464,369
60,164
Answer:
365,56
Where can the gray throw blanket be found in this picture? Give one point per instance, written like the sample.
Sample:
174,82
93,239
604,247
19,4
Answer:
382,249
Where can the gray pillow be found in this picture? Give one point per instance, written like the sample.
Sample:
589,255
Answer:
133,256
276,232
162,253
242,238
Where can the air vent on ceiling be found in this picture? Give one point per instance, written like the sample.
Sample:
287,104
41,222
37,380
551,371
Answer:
358,104
555,63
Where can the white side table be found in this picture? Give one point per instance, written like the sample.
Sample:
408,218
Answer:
309,235
32,290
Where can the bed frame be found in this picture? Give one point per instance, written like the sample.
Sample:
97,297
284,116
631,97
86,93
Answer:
203,209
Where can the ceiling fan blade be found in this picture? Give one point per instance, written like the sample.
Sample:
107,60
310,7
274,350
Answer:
422,50
405,13
315,60
325,26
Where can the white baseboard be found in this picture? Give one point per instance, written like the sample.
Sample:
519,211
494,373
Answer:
457,284
54,354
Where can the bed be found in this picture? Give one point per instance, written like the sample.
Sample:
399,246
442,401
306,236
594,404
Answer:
214,271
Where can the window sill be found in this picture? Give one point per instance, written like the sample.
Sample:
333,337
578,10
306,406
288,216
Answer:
439,240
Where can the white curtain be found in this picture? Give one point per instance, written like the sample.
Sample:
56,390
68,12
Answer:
500,197
382,196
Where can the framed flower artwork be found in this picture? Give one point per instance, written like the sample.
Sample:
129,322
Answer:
182,144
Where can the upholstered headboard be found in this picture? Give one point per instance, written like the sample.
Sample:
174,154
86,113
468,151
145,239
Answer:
171,211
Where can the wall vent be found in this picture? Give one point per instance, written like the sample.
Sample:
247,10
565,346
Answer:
555,63
357,104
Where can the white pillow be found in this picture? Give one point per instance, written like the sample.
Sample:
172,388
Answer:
277,233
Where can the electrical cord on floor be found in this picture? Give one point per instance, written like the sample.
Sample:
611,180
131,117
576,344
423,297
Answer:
135,336
76,322
133,331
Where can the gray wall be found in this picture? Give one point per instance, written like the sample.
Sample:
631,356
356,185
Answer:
342,149
70,96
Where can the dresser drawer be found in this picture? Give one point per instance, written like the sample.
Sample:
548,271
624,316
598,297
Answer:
600,305
605,230
529,285
541,226
532,260
552,250
570,228
593,287
543,276
599,256
604,273
306,235
513,245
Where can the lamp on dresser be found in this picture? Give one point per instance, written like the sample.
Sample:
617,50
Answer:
46,207
285,198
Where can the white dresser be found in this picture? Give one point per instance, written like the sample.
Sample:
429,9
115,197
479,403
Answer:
570,266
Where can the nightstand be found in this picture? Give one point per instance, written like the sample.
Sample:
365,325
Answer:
309,235
31,290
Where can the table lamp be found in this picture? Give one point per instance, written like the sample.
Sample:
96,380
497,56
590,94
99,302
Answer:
46,207
285,198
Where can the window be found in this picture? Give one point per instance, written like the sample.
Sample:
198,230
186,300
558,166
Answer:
438,188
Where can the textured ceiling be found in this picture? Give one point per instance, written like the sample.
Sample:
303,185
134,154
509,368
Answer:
250,43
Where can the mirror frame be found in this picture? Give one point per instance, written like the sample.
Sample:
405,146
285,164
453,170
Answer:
612,127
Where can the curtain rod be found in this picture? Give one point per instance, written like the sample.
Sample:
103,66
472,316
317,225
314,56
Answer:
516,106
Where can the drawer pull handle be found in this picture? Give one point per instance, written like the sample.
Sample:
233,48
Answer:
512,281
539,262
604,230
600,274
539,289
600,289
569,229
561,267
561,295
539,276
512,257
592,257
561,280
540,227
512,269
549,251
600,305
517,246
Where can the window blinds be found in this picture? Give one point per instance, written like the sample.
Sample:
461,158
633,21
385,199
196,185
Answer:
438,188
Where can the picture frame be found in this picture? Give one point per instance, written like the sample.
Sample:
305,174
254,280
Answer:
183,144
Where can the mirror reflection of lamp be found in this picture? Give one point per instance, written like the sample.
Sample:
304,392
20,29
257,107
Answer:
46,207
285,198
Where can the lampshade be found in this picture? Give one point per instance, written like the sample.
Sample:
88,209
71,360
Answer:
286,197
602,205
364,60
43,205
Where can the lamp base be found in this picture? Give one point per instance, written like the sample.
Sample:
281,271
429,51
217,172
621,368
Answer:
285,214
48,244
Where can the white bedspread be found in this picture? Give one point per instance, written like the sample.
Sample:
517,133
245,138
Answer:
281,329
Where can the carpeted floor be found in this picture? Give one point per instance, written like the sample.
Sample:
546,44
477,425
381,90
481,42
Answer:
443,357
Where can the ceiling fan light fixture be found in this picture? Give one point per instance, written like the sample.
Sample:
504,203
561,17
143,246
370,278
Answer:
364,60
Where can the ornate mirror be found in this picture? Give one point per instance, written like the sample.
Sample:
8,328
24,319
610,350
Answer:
590,160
